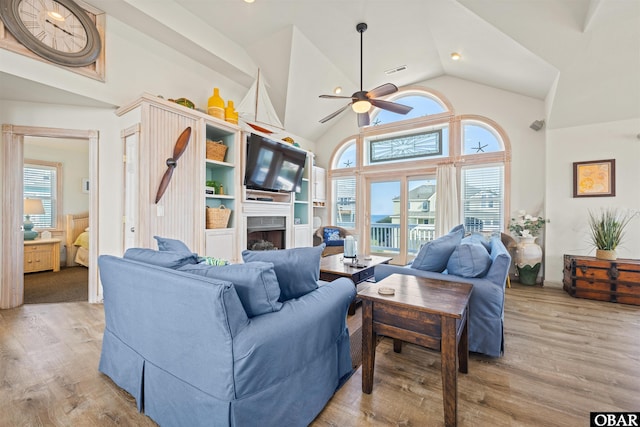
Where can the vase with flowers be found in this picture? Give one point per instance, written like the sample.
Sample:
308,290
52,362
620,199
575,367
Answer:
528,260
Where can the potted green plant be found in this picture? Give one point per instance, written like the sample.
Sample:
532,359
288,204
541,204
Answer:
214,185
607,229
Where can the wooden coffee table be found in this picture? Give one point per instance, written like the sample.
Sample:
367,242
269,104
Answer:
333,267
426,312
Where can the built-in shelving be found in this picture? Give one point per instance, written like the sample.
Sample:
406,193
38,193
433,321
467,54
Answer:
223,172
301,202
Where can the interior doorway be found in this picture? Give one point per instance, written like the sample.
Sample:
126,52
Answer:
56,175
12,249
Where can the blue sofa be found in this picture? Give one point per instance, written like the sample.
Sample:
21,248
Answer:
183,345
486,305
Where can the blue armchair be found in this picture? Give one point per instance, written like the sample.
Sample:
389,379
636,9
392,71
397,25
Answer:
334,241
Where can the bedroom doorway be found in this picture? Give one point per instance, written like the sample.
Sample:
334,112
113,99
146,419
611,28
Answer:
55,170
12,249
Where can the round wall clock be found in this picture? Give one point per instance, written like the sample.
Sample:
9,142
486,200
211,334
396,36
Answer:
57,30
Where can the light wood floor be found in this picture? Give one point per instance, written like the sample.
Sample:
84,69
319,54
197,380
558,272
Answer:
564,358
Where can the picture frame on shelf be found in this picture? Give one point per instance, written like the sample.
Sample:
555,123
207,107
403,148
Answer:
595,178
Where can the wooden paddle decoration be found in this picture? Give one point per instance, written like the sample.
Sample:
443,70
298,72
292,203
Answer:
180,147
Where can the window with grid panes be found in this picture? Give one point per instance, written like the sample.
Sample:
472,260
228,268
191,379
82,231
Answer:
40,182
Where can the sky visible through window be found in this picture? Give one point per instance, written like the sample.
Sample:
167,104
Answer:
422,106
479,139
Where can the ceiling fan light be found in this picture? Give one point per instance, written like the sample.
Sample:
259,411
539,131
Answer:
361,106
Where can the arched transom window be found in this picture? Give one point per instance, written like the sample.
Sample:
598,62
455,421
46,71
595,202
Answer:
384,181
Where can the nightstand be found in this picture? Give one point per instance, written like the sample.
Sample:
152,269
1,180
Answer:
41,255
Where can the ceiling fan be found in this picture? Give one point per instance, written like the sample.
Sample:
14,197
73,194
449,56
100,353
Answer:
362,101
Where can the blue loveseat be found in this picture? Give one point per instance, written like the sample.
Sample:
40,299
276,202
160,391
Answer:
183,344
472,259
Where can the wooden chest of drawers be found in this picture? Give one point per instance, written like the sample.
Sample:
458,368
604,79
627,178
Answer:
591,278
41,255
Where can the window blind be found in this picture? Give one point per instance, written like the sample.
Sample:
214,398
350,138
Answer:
482,194
40,183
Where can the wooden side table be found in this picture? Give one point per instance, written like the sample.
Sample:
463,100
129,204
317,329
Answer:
426,312
41,255
332,267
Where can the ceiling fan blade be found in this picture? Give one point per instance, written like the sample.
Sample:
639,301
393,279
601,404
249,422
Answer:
385,89
181,143
164,183
391,106
363,119
335,113
335,97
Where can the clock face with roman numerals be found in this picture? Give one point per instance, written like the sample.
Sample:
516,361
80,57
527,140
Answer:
57,30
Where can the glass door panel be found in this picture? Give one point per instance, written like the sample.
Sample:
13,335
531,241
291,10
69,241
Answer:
385,218
421,214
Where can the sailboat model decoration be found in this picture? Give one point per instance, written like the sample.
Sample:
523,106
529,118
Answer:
256,108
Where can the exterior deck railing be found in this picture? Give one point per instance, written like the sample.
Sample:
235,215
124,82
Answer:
386,237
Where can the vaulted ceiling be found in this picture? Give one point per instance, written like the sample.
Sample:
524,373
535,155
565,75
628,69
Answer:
581,56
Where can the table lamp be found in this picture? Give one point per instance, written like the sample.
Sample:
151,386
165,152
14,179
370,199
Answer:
31,207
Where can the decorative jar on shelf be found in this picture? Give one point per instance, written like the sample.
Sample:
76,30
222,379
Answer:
215,106
528,259
230,114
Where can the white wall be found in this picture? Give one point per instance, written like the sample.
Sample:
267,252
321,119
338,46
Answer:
135,63
567,233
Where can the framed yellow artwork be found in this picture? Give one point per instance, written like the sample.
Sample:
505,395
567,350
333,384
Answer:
595,178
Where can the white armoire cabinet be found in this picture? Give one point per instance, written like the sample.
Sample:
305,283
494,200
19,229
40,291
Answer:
150,128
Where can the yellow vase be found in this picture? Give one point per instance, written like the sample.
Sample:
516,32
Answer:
230,114
216,105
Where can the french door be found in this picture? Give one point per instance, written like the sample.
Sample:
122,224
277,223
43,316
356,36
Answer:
400,215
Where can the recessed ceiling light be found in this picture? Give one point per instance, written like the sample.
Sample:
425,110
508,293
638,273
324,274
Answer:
455,56
249,1
337,90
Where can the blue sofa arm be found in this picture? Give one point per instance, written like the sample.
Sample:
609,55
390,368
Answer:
156,315
275,345
383,270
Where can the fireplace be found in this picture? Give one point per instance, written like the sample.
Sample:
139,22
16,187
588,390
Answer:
266,233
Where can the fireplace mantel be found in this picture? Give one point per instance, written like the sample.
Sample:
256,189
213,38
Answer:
252,208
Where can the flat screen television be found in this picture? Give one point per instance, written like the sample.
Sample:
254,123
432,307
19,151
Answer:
273,166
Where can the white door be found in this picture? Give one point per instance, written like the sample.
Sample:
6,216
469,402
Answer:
130,190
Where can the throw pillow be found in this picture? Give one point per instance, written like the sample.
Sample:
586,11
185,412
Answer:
434,255
165,244
478,238
297,269
255,282
469,259
331,234
167,259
